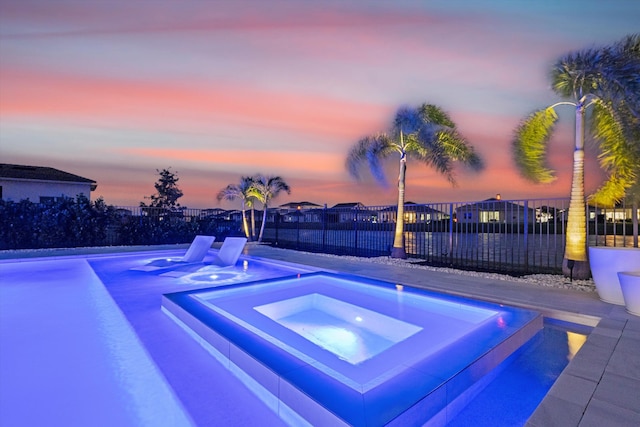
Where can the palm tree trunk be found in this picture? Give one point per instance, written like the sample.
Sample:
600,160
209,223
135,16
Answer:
398,250
575,263
253,223
245,226
634,222
264,221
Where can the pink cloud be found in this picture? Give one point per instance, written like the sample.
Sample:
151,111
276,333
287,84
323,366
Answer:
310,163
150,104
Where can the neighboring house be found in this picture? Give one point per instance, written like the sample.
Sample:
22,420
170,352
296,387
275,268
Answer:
306,215
294,206
215,213
349,205
619,213
413,213
41,184
494,211
236,215
349,212
300,212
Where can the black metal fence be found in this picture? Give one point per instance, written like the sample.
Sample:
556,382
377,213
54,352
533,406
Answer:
516,236
147,226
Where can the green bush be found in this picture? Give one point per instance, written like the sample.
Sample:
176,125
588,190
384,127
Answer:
81,223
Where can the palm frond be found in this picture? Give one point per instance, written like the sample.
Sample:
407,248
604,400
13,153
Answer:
370,150
456,147
610,73
447,147
530,143
432,154
231,192
433,114
619,153
622,73
407,121
438,144
609,193
577,74
265,188
633,193
237,191
616,151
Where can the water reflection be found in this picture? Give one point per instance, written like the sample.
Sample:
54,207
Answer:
244,271
575,342
516,392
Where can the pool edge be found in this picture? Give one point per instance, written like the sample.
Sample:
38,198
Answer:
234,357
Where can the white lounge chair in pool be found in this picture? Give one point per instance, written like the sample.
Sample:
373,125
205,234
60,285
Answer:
229,251
227,256
195,254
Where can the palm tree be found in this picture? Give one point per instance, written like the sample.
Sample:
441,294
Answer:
239,191
608,81
251,203
265,188
427,134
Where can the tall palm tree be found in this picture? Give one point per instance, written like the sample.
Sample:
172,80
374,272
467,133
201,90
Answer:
251,203
607,82
239,191
266,188
426,134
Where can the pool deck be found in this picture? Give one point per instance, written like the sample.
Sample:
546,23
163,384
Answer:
600,386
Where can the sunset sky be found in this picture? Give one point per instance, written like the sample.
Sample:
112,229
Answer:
113,90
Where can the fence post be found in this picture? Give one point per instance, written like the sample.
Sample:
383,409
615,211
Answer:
298,230
634,222
324,226
451,233
276,219
355,229
526,235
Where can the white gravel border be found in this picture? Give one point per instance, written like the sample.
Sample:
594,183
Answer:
546,280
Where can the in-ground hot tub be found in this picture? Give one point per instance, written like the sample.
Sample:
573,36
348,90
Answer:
339,349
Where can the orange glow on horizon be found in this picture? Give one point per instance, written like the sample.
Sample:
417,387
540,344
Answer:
285,162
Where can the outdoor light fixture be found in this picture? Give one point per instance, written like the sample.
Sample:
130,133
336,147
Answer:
570,264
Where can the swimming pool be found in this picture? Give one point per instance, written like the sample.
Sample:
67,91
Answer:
61,318
339,349
204,274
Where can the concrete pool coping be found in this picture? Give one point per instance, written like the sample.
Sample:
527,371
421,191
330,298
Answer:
600,386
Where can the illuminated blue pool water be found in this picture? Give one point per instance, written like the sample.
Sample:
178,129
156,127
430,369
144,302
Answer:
105,335
204,274
351,332
339,349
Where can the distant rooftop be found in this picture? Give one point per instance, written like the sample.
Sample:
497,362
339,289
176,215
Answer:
349,205
296,205
40,173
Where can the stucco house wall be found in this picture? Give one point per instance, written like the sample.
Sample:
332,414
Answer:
39,184
16,190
